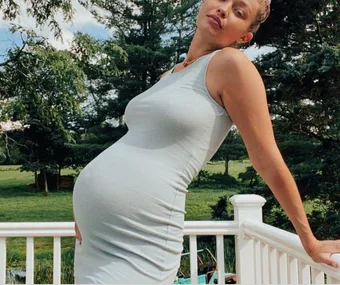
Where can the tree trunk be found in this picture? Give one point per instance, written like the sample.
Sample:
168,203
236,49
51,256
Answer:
36,180
45,183
226,166
198,181
58,177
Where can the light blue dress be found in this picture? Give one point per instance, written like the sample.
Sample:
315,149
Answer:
129,202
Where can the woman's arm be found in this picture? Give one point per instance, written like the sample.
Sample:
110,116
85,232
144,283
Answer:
243,94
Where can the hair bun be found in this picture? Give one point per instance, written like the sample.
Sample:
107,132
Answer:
267,11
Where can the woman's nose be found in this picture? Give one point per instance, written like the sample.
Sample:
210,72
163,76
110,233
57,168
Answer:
224,9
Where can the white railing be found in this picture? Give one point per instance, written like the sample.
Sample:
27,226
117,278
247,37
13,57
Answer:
281,259
30,231
264,254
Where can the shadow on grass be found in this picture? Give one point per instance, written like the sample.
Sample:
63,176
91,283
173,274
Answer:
10,191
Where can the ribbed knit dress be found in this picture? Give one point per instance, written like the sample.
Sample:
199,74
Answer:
129,202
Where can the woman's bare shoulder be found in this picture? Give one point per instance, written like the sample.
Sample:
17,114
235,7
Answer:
232,65
233,55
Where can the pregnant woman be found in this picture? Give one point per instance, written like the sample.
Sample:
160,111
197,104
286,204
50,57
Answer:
129,202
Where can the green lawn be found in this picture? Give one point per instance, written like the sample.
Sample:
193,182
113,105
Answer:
199,200
22,203
235,167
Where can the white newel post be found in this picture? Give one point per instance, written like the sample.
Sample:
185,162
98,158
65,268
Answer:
246,207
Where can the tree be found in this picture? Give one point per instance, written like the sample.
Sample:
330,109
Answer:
303,96
44,88
300,26
99,60
231,149
146,31
43,11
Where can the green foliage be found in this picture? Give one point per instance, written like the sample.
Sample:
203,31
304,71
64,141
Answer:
287,28
250,176
43,266
303,90
222,209
82,154
231,149
43,11
100,60
147,32
9,150
215,180
224,180
45,87
203,176
325,223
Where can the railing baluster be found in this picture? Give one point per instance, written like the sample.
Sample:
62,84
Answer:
3,256
220,258
30,260
56,260
283,268
273,265
193,259
265,264
318,277
258,269
305,273
293,273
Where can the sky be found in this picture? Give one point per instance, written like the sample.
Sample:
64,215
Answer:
83,21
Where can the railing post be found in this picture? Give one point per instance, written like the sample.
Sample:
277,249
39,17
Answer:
246,207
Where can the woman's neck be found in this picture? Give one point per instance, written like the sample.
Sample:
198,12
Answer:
199,46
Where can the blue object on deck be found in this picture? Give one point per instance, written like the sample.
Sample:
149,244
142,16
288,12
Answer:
201,280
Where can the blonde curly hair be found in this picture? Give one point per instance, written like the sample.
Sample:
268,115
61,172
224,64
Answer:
261,16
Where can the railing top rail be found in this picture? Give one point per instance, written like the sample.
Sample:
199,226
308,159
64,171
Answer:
27,229
286,242
210,228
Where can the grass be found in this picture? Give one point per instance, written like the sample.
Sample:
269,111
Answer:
199,200
22,203
235,167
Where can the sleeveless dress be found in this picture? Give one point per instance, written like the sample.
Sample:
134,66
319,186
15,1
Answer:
129,202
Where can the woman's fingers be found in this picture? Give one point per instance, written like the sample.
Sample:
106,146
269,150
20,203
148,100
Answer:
78,235
329,261
332,263
323,250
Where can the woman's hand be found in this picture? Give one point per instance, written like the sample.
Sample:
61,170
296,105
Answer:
322,250
78,235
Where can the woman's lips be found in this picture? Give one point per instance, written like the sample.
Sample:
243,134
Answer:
216,20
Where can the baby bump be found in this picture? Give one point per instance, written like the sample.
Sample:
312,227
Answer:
112,213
